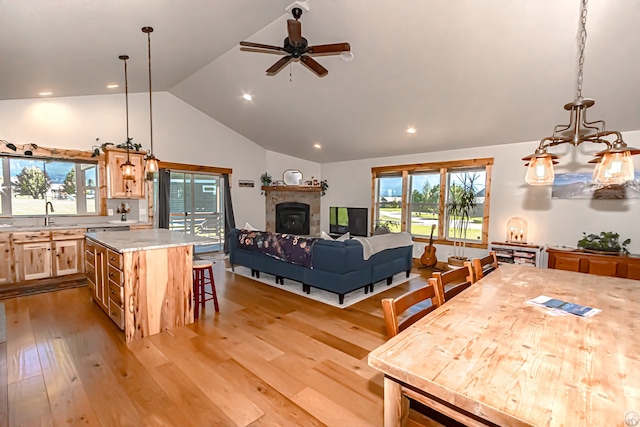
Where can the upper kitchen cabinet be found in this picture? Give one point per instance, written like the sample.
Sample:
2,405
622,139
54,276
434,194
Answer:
118,187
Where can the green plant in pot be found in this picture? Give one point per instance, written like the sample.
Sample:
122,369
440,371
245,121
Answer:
605,242
265,178
460,206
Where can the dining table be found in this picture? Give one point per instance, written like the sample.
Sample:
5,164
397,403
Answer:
490,357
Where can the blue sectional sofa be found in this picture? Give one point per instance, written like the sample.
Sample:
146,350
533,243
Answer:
338,267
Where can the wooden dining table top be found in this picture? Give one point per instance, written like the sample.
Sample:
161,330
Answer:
490,353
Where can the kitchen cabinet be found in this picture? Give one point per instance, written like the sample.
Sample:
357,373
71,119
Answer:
105,278
118,187
626,266
32,250
6,259
147,276
44,254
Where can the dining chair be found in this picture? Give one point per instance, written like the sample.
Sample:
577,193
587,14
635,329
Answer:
450,283
413,303
485,265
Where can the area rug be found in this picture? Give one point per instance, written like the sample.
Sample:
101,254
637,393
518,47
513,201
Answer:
325,296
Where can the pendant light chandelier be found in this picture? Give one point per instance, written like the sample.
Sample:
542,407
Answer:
613,164
128,171
151,163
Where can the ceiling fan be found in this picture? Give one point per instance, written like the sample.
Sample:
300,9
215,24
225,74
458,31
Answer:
296,47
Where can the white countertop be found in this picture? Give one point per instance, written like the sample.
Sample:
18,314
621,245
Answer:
7,228
140,240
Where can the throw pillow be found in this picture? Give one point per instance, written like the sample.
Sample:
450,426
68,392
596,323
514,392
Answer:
345,236
250,227
325,236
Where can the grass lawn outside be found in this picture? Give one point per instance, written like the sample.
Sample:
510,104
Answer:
421,225
28,206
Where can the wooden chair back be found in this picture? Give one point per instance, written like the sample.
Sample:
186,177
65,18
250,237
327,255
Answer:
485,265
452,282
393,308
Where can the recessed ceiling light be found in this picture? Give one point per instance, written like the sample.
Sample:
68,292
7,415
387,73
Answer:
45,93
411,130
247,97
113,86
316,145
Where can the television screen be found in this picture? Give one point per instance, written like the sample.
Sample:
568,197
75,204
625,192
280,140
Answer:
352,220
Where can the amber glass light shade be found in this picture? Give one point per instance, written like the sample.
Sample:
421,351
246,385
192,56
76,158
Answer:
151,164
540,171
614,168
128,171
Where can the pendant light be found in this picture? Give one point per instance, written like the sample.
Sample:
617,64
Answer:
613,165
128,171
151,163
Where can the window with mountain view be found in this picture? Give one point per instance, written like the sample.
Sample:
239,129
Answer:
415,198
28,183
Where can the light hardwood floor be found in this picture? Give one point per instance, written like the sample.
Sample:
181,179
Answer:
269,358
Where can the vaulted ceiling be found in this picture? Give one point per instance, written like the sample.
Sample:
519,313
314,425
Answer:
463,73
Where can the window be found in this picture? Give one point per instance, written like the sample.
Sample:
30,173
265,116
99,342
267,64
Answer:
28,183
415,198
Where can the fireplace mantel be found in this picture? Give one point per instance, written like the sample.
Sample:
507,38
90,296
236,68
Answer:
298,188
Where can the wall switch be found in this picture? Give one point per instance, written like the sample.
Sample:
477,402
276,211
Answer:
110,212
143,211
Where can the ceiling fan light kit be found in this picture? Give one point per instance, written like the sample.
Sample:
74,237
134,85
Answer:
613,164
296,48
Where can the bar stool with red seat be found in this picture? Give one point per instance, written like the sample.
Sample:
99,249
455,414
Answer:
200,281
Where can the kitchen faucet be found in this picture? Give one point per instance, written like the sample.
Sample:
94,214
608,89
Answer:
47,221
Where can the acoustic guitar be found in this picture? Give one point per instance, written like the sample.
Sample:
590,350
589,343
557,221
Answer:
428,258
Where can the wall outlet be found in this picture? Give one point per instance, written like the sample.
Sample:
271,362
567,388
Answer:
110,212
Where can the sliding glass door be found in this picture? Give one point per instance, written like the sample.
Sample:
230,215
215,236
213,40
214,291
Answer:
196,206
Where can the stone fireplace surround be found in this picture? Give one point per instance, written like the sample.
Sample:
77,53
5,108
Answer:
300,194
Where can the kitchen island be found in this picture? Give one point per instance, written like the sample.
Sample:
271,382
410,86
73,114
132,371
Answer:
142,278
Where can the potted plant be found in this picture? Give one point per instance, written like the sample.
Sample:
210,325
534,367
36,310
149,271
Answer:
323,186
460,206
607,242
265,178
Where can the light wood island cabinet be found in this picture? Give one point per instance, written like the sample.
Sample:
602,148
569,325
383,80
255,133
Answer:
142,279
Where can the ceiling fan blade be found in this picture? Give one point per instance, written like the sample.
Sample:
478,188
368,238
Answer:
294,28
282,62
261,46
329,48
267,51
314,65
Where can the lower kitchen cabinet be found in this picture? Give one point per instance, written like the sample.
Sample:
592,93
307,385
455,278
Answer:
44,254
106,278
6,260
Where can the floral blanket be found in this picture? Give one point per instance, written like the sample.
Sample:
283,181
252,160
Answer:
286,247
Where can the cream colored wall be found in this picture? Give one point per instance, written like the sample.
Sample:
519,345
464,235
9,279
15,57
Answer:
277,163
551,221
182,134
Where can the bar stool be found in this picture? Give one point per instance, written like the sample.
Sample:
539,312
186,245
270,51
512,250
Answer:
200,280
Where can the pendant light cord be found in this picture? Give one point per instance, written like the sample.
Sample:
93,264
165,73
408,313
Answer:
150,92
583,42
126,98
